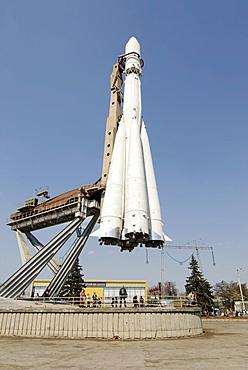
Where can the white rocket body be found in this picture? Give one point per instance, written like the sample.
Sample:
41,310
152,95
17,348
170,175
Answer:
113,204
130,212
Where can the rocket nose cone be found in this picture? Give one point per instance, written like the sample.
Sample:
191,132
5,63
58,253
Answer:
132,46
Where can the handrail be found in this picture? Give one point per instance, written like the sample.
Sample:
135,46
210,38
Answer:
45,208
110,301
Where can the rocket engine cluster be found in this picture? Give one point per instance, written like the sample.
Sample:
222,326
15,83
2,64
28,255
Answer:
130,212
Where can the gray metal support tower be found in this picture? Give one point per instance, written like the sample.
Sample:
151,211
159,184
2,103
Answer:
72,208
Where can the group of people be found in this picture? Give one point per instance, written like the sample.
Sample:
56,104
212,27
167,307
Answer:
138,303
122,300
95,301
88,301
123,295
36,296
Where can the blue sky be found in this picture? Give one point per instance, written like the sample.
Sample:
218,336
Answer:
56,58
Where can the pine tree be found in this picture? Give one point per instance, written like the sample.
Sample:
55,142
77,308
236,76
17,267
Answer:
74,282
200,286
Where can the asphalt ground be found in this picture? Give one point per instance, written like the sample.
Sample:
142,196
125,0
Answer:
224,345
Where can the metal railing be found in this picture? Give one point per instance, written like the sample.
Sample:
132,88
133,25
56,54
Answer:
171,301
115,302
44,207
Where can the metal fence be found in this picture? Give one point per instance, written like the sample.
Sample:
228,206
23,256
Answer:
114,302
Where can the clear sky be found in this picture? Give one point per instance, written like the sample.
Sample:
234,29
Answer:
56,58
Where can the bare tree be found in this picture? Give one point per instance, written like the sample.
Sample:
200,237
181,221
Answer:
229,292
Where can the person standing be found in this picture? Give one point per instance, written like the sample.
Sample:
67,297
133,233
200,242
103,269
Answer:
46,293
88,300
141,301
37,297
82,298
94,299
135,301
192,298
99,301
123,295
113,302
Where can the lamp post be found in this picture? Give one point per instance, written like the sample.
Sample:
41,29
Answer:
240,288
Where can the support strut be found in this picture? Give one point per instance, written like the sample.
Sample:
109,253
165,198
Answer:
22,278
59,279
54,264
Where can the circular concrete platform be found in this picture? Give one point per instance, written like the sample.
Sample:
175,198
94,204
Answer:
121,323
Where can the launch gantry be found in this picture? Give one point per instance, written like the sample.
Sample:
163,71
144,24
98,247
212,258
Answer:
73,207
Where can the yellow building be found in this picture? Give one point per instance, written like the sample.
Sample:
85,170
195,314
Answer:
106,290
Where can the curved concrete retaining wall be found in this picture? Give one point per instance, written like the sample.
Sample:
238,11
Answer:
128,323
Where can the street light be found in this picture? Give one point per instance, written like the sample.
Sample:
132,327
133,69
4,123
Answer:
240,288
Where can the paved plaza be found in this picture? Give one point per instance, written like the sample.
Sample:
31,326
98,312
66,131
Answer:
223,346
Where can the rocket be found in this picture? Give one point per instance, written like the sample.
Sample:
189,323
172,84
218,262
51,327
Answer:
130,211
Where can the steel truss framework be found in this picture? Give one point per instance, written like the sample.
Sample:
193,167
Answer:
33,265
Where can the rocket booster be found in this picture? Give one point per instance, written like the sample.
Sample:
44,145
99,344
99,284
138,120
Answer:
130,213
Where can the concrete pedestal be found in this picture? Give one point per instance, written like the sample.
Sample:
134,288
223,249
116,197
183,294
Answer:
101,323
